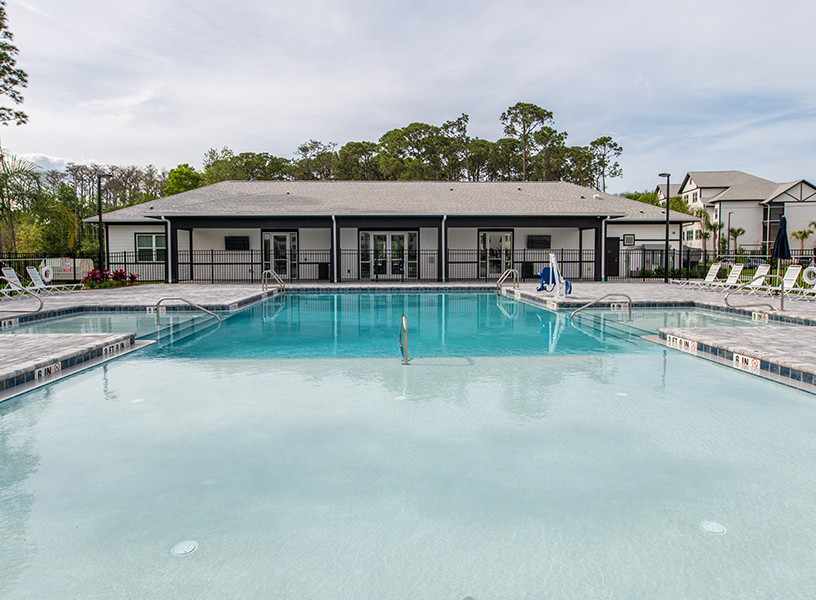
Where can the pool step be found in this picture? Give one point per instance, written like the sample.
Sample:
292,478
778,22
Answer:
622,330
173,333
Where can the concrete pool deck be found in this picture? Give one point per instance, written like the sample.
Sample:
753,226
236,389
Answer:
783,354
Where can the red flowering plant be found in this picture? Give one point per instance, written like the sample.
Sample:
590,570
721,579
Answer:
96,276
104,279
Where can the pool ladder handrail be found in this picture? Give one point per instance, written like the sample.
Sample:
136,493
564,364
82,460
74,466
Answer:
403,344
602,298
504,277
24,291
268,275
747,283
193,304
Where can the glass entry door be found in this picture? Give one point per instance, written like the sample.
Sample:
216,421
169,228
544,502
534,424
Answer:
388,254
495,252
280,253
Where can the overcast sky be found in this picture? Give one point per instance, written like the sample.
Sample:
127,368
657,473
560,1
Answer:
691,86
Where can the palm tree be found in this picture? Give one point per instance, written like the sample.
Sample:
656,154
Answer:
802,236
735,232
19,184
715,227
705,235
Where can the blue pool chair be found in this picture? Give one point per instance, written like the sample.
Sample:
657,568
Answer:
549,277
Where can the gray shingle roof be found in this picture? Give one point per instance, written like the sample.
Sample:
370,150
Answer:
312,198
740,186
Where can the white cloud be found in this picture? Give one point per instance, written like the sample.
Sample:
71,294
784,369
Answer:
45,162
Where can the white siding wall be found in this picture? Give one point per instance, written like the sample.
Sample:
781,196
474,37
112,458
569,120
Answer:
183,240
747,215
314,239
213,239
348,238
588,239
644,234
799,215
122,238
429,238
561,238
463,238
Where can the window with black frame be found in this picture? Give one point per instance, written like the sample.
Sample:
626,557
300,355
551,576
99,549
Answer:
151,247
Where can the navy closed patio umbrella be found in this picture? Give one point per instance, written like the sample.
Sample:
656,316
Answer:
781,249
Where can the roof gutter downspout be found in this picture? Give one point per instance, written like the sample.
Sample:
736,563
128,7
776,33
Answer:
444,249
603,248
334,247
168,264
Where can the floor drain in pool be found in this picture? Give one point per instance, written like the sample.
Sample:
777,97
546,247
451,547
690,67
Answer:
184,548
712,527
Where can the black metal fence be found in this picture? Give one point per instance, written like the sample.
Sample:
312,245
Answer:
247,266
64,268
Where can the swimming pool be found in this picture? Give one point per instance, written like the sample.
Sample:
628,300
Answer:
577,471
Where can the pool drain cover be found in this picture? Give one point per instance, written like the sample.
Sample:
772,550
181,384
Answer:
184,548
712,527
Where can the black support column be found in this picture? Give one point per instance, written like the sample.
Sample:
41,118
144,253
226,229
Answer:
599,250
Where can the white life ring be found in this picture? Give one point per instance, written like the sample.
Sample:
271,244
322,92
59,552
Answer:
47,273
809,275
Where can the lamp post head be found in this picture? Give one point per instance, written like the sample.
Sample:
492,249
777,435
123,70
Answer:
665,175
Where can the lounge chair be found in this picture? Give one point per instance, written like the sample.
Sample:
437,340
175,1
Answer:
711,277
758,280
42,288
13,285
808,290
732,281
789,279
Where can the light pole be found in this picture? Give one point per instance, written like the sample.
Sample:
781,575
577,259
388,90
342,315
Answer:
668,194
728,233
99,208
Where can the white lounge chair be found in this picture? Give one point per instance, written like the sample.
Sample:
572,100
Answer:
43,288
13,285
758,280
732,281
789,279
711,277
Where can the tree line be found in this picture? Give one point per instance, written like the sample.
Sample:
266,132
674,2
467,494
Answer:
44,211
532,150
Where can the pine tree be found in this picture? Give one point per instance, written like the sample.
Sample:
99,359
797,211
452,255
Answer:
11,78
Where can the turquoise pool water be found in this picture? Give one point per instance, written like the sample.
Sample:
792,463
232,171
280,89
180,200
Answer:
461,324
551,473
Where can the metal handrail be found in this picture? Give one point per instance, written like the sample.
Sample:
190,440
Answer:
403,344
512,317
193,304
601,298
504,277
747,283
270,274
18,289
278,310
